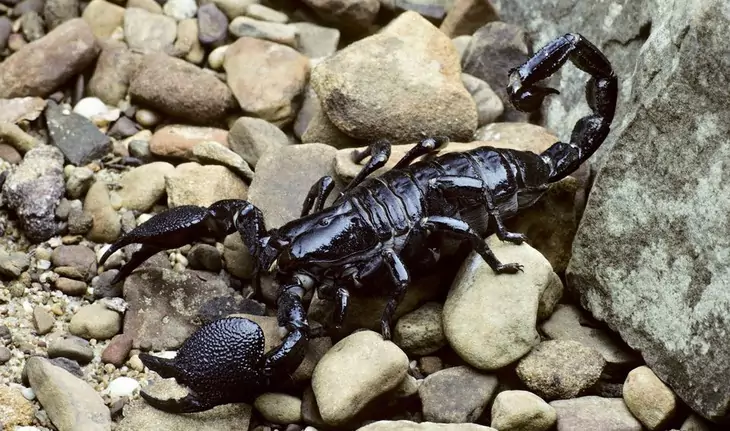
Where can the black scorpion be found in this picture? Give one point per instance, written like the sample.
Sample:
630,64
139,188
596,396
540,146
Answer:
375,223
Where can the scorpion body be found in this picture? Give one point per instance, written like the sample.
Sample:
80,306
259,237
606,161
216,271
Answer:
376,223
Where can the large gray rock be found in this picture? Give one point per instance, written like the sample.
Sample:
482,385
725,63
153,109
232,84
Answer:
650,255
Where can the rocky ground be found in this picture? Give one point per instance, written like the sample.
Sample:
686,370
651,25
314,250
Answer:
112,111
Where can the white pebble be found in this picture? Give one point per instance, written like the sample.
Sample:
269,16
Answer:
28,393
90,107
216,57
122,387
43,264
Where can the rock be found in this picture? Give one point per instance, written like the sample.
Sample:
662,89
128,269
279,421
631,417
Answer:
214,153
420,332
316,350
316,41
147,32
148,5
144,185
212,24
664,295
489,320
56,12
138,415
70,286
593,413
34,189
117,351
17,138
279,408
251,137
13,264
180,9
178,140
522,411
106,224
244,26
78,138
6,28
10,154
178,88
103,17
695,423
15,410
467,16
266,77
21,109
150,293
489,105
423,426
395,71
283,178
238,259
264,13
355,16
43,320
456,395
560,369
114,70
95,321
71,404
205,256
194,184
648,398
122,387
32,26
493,50
569,322
355,371
79,181
41,67
70,347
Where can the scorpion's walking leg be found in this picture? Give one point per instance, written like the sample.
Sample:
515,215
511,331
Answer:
601,93
379,152
400,276
461,229
425,146
318,194
454,188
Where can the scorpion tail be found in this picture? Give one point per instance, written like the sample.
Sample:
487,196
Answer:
601,93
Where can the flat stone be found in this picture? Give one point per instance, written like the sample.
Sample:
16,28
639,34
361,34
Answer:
594,413
522,411
648,398
79,139
456,395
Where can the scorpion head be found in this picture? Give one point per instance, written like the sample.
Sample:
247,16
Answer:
330,237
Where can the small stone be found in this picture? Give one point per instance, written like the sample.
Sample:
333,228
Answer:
279,408
13,264
71,287
594,413
180,9
316,41
106,224
204,256
122,387
212,24
103,17
244,26
467,16
430,364
252,137
79,139
356,16
144,185
522,411
648,398
15,410
117,351
95,321
82,259
43,320
146,32
264,13
79,182
456,395
71,404
194,184
71,347
404,425
356,370
420,332
560,369
5,355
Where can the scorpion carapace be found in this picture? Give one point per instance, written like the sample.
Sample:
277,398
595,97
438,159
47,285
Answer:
373,225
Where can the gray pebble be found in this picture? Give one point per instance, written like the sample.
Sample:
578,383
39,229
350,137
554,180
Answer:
5,355
71,347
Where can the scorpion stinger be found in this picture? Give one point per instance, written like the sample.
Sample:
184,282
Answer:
601,93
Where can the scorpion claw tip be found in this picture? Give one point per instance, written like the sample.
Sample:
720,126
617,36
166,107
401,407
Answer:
187,404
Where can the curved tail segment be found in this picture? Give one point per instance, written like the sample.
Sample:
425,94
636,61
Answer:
601,92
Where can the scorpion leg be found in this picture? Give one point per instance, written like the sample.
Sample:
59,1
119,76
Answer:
461,229
400,276
319,193
379,152
284,359
457,187
601,93
425,146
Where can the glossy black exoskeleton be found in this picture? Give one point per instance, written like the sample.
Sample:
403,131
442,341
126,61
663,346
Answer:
372,225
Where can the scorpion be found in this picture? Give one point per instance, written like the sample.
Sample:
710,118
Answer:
375,224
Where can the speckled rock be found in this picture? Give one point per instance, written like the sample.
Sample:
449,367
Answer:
15,410
421,331
95,321
146,32
594,413
34,189
251,137
456,394
144,185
